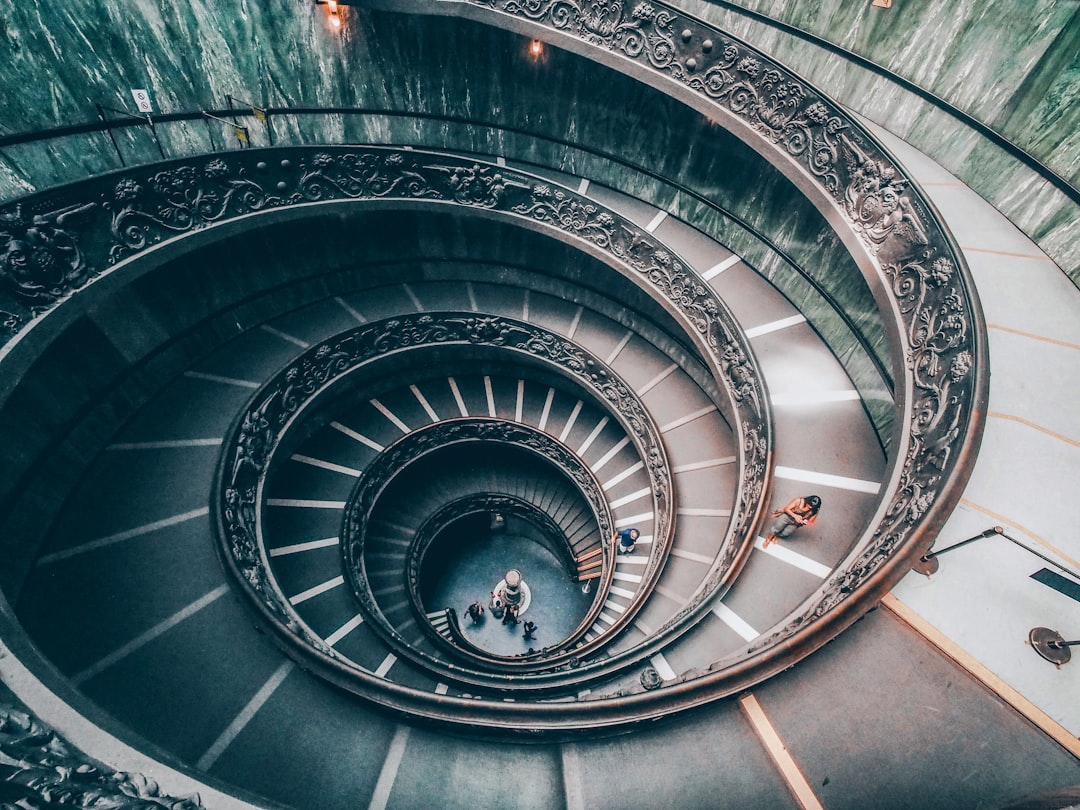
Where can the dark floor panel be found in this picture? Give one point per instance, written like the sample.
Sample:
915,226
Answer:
254,356
183,689
834,438
286,525
753,301
363,646
442,296
867,738
309,747
466,775
384,302
128,489
709,759
700,534
315,323
767,589
554,314
709,488
705,439
674,398
298,479
504,393
496,298
600,335
639,363
331,445
709,640
329,611
82,608
305,569
188,408
402,403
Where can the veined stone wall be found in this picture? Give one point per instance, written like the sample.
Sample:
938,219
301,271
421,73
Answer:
191,55
1013,65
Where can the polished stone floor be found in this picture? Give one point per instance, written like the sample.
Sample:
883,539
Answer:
895,713
556,603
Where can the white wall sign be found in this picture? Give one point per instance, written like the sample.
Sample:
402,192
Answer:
142,101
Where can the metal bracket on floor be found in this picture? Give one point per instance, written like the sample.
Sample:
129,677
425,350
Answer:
1051,646
927,564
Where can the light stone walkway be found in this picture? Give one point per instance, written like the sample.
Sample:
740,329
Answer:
983,598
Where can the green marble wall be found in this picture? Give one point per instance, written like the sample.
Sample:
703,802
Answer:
1013,66
555,112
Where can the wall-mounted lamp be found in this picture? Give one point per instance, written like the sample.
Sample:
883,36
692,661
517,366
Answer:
536,49
332,8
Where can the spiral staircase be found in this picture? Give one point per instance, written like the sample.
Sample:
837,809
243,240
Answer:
338,363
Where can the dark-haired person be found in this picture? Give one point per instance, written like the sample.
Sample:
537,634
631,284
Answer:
625,540
798,512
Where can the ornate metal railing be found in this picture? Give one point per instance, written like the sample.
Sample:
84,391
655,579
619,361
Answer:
397,458
906,254
281,402
524,510
75,244
59,244
853,327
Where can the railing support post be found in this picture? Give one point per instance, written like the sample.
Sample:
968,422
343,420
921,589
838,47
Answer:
1051,646
116,146
927,564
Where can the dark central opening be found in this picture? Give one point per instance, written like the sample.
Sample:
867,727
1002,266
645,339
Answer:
472,555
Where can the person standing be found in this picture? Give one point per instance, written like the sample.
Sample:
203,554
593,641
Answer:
625,540
798,512
476,612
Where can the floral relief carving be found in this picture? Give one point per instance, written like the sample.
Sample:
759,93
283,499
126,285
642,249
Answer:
39,769
41,260
880,206
248,454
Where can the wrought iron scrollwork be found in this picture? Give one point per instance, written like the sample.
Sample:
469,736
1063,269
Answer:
248,453
918,265
150,206
38,768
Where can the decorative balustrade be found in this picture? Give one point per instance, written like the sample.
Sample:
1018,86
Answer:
397,458
506,505
54,254
59,243
249,451
906,254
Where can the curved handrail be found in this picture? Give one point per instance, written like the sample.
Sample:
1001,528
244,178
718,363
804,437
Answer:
396,458
212,191
281,402
986,131
903,250
12,321
487,503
